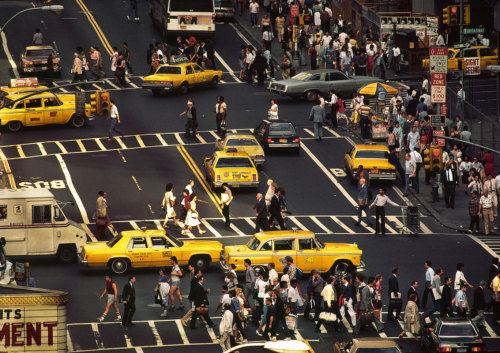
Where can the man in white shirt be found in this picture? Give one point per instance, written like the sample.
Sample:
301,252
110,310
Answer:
114,116
326,39
272,272
396,54
417,158
410,174
486,209
460,101
225,328
380,200
254,12
426,97
429,274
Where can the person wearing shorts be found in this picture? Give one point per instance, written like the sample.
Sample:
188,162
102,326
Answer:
112,295
175,283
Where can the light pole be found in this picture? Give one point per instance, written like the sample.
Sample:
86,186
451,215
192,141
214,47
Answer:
44,8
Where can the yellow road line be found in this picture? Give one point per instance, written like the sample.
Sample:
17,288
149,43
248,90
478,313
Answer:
6,166
94,24
310,348
200,177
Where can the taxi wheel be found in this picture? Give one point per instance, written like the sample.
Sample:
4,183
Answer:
14,126
311,95
66,254
184,88
119,266
341,265
202,262
214,82
77,120
259,269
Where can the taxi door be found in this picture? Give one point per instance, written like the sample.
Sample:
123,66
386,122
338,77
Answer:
308,255
191,75
161,251
281,249
34,112
139,251
201,75
52,113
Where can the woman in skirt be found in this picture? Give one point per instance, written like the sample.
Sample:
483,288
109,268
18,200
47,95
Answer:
192,217
168,204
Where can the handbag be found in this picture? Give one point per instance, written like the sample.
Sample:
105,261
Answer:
158,298
326,316
202,310
367,318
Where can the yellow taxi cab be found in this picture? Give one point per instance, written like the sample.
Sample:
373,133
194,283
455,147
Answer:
44,108
242,143
374,158
234,168
148,248
371,344
20,85
484,53
308,252
180,77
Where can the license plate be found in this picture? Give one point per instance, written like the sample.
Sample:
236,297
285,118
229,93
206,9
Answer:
462,350
236,176
183,27
374,171
283,140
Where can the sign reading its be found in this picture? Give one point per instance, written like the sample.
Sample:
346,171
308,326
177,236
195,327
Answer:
438,63
472,66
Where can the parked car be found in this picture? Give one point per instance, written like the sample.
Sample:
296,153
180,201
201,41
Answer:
308,84
374,158
456,335
148,248
277,134
34,60
367,344
308,252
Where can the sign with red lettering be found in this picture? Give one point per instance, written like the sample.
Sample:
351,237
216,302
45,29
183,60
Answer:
438,66
294,10
438,141
472,66
444,109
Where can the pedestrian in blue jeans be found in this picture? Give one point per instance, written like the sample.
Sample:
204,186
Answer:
410,174
115,119
254,13
133,10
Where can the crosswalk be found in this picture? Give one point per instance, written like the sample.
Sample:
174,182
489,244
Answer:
490,243
245,226
99,144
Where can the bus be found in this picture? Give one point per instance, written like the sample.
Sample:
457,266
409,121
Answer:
183,17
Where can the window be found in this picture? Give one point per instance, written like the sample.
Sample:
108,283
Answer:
335,76
456,330
236,162
372,154
253,243
19,105
470,53
189,70
41,214
3,212
159,242
115,240
485,52
283,244
267,246
33,103
169,70
315,77
58,214
191,6
307,244
138,243
281,129
197,68
242,142
39,52
51,102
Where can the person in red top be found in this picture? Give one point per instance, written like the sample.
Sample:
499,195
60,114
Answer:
488,159
185,204
111,299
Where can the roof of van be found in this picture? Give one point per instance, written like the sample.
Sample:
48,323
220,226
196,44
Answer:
24,193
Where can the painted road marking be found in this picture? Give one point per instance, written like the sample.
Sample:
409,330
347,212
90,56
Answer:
62,89
139,141
20,151
81,146
321,225
228,68
216,137
333,132
99,143
240,34
297,222
239,232
42,149
370,229
158,225
120,142
336,220
250,221
131,83
309,131
134,225
9,55
201,139
72,189
178,138
156,335
6,166
88,232
136,183
99,88
182,332
61,147
96,27
212,334
396,220
111,83
210,228
162,141
97,335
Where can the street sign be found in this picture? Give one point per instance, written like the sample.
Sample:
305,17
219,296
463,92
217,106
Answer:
438,63
474,30
472,66
444,109
438,120
438,141
294,10
461,46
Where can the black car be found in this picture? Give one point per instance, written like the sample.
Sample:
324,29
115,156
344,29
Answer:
277,134
457,335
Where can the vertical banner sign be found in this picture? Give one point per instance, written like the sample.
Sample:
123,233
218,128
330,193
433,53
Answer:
294,10
438,64
472,66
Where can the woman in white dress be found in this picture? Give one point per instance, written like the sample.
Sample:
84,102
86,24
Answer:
168,204
192,217
273,111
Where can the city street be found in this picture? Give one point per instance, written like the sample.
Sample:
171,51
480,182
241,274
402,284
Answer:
77,163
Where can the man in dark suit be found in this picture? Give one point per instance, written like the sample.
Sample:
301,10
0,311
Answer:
446,297
413,290
394,296
449,179
200,299
479,306
493,271
275,211
261,214
128,297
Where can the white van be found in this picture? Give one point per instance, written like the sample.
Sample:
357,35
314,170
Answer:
33,224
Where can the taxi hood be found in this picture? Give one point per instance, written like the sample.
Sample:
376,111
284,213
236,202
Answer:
343,247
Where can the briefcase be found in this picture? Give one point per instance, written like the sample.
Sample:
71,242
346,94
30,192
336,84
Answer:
396,304
367,318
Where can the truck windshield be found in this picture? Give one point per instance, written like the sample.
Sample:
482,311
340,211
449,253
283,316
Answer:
113,241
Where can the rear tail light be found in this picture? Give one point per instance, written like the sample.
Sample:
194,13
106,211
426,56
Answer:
259,156
296,140
217,177
213,16
479,349
254,177
443,349
270,141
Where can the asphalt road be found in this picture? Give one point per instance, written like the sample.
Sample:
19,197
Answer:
154,152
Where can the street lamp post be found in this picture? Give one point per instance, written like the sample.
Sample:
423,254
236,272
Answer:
44,8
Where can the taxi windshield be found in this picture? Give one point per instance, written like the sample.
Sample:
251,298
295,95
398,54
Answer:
234,162
281,129
5,102
115,240
372,154
39,52
169,70
242,142
253,243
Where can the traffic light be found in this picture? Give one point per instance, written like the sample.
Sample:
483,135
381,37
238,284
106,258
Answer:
95,103
446,15
436,156
467,15
105,102
454,16
427,159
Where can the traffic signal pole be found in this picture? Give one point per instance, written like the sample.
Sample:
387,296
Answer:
462,34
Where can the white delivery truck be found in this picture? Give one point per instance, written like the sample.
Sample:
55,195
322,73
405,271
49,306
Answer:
33,223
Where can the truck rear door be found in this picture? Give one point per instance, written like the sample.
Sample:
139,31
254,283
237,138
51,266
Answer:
40,234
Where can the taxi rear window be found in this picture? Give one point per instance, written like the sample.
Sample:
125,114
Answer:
170,70
372,154
39,52
241,142
236,162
